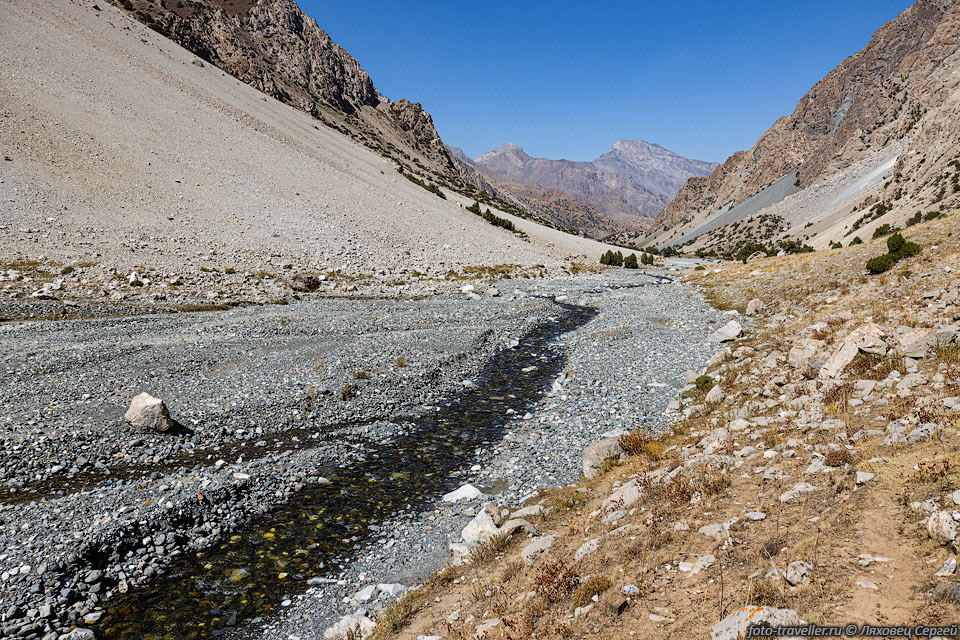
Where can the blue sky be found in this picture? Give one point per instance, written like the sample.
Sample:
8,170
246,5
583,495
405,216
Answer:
567,79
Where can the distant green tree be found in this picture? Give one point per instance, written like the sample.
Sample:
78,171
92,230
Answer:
630,262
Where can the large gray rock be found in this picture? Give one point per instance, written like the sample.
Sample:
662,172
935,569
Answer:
754,306
735,625
919,343
305,282
867,338
596,453
538,547
798,572
481,528
715,395
149,414
942,527
730,331
803,351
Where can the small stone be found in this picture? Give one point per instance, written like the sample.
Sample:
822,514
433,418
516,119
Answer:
866,584
948,568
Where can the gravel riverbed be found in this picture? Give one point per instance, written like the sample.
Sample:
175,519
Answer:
94,510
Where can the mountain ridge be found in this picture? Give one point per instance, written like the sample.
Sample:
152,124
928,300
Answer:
899,89
625,186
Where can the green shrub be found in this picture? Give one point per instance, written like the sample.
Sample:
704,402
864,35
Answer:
630,262
883,230
856,240
703,383
749,249
898,248
795,246
880,263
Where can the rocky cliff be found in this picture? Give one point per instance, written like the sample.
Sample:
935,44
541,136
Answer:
273,46
900,88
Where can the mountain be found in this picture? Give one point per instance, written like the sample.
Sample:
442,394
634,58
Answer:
627,186
870,144
160,168
276,48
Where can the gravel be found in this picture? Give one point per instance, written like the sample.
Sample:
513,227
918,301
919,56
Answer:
622,370
96,508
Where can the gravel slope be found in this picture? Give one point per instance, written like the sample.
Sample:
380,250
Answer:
122,148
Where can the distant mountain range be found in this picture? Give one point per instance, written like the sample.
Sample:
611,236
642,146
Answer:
621,191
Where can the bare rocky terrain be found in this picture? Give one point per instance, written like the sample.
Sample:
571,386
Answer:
809,476
128,159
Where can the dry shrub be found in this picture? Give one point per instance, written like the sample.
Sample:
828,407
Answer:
713,484
639,443
764,593
490,549
935,471
838,395
867,366
839,457
510,570
678,491
401,361
592,587
948,592
771,438
555,580
949,353
772,546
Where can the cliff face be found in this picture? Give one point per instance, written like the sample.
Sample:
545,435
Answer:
870,100
273,46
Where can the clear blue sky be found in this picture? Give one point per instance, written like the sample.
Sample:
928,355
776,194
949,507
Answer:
567,79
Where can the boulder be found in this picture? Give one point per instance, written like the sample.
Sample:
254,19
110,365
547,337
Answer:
596,453
735,625
867,337
586,549
918,343
730,331
803,351
538,547
622,498
942,527
304,282
480,529
755,306
486,629
149,414
352,626
715,395
514,525
466,492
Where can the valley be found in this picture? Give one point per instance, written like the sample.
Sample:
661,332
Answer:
281,363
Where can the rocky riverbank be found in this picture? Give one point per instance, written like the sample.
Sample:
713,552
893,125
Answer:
809,476
270,401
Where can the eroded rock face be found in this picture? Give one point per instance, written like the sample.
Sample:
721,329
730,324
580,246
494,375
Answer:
149,414
735,625
855,107
276,48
